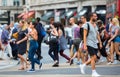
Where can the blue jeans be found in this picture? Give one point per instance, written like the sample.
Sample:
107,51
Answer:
32,50
39,47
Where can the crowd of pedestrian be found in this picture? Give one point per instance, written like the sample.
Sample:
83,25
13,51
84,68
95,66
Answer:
92,39
21,39
88,41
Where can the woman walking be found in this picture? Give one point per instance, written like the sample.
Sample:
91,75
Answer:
115,39
33,37
53,44
22,44
62,41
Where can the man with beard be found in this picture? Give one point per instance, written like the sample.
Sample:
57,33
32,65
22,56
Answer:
90,43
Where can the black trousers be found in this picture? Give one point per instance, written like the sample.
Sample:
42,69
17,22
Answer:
38,52
102,50
14,50
53,52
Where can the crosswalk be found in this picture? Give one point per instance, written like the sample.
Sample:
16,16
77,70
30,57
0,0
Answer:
6,62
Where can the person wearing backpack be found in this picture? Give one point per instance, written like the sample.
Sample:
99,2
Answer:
90,43
41,34
83,54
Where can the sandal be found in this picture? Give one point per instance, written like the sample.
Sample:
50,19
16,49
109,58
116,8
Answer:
27,65
21,68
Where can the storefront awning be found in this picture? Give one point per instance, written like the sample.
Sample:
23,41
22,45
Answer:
47,15
83,11
28,15
62,12
100,10
20,15
70,13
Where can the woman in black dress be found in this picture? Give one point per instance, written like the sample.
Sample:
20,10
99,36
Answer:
22,43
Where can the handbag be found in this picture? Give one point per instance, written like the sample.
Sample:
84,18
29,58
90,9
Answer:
50,40
106,35
15,35
53,40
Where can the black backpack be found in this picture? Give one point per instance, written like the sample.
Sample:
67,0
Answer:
81,31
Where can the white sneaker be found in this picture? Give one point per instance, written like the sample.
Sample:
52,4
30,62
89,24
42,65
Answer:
82,68
109,63
112,63
115,62
95,74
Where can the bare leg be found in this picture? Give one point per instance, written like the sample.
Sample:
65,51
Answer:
93,59
108,58
23,60
75,54
71,51
78,55
117,48
112,51
22,65
81,54
86,56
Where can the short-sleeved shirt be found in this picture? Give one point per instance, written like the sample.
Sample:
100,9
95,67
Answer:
73,28
117,38
68,31
114,28
76,32
92,35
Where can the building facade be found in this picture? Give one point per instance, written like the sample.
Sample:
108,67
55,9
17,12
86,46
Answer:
58,9
12,8
43,7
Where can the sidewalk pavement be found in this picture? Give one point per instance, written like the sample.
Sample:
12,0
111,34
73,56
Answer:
7,63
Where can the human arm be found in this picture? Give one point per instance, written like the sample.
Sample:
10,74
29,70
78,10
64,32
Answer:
25,37
20,41
59,33
85,38
98,37
114,35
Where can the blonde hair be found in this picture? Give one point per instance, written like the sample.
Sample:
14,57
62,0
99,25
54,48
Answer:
115,21
24,27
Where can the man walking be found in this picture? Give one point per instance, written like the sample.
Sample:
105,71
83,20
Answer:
40,37
90,43
72,28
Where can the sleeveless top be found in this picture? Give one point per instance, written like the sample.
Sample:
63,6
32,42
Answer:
62,42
